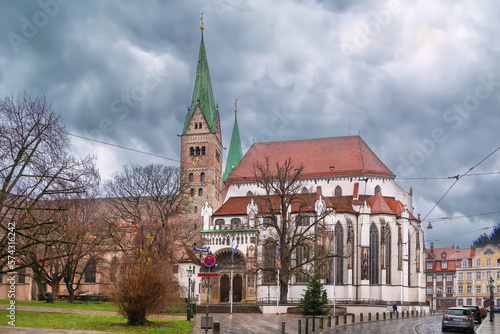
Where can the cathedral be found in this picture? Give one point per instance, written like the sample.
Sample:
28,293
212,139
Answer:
372,240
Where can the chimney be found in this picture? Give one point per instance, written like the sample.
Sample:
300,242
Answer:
355,191
472,248
432,248
319,191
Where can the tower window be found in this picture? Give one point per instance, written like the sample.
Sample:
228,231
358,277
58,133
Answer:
195,209
338,191
378,190
191,151
203,150
197,150
191,177
192,192
202,177
200,192
196,126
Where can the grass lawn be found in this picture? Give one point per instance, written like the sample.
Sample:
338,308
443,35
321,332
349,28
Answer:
70,321
79,305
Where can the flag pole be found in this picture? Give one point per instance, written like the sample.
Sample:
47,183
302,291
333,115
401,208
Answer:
231,297
278,292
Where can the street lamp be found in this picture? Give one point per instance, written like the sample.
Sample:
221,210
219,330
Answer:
189,275
492,303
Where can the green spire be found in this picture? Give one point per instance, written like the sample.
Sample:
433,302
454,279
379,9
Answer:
203,96
235,153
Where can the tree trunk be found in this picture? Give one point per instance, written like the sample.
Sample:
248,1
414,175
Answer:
39,284
283,292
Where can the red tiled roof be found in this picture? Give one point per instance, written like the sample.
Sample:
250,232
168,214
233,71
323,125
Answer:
335,156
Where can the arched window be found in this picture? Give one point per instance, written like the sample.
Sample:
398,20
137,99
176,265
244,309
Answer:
388,250
374,253
304,190
378,190
91,271
191,151
113,269
200,192
249,194
235,223
220,222
300,258
338,191
269,261
197,150
191,177
203,150
195,209
202,177
339,252
192,192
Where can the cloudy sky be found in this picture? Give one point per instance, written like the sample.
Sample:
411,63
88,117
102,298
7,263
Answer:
418,80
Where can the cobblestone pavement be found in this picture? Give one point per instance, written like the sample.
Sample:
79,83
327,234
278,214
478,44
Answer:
488,327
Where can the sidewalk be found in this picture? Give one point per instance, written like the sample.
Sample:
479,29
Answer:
488,327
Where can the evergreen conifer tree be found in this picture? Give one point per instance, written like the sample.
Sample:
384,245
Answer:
314,301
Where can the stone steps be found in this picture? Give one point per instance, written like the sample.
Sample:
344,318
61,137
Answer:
223,308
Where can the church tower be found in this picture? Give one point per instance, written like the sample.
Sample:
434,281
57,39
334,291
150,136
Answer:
201,147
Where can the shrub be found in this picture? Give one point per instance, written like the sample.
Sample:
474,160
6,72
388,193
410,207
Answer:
313,302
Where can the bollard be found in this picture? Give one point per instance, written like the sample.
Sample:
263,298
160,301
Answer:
397,314
216,327
337,320
412,313
402,314
321,322
329,321
307,325
376,317
369,316
345,318
282,327
385,316
300,327
361,317
391,315
353,318
314,324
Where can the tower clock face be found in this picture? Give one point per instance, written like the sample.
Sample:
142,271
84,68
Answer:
197,161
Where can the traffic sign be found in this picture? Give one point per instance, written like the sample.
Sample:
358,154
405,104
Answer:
201,249
209,261
208,274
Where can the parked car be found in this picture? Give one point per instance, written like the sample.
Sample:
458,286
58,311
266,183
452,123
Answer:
496,308
458,318
476,311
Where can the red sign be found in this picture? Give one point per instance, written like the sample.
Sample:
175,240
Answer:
209,260
208,274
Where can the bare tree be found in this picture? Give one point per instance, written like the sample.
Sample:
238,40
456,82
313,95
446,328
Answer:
35,170
145,198
293,230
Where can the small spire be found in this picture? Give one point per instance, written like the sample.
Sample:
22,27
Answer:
202,27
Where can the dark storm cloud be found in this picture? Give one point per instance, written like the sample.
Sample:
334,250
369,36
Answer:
419,81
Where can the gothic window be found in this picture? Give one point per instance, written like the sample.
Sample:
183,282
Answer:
339,252
217,155
302,221
249,194
374,253
220,222
192,192
200,192
267,222
113,269
235,223
388,251
191,177
91,271
202,177
300,258
304,190
203,150
198,150
269,261
191,151
22,276
195,209
378,190
338,191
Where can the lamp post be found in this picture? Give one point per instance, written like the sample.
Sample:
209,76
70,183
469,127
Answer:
492,303
189,275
